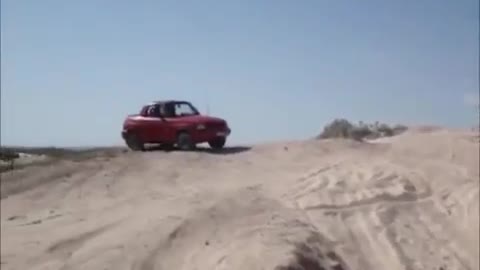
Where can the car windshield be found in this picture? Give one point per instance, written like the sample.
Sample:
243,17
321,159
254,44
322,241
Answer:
185,109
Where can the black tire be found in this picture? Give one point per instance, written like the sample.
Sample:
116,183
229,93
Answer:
134,143
217,143
184,142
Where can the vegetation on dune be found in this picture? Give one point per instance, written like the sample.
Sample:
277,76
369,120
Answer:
8,154
11,157
55,152
342,128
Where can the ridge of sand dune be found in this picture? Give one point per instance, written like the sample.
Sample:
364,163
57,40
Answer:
411,202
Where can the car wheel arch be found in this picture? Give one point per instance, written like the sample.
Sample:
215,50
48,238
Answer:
180,131
184,142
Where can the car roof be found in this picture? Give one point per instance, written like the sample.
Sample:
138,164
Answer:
168,101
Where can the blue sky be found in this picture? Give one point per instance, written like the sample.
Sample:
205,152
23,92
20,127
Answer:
72,70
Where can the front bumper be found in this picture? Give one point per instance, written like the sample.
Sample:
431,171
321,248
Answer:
211,134
223,133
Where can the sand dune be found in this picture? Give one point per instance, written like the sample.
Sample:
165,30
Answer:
407,202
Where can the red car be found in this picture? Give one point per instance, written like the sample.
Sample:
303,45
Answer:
173,123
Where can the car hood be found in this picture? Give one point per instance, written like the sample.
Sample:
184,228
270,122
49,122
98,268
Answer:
200,119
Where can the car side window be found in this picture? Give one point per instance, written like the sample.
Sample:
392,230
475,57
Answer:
167,110
153,111
182,109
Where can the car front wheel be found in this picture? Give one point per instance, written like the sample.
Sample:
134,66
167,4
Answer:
217,143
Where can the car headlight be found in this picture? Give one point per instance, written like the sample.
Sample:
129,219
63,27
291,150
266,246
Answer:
201,127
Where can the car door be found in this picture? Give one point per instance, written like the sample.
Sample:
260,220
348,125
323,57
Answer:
155,126
168,131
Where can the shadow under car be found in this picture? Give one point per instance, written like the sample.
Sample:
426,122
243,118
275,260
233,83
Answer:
203,149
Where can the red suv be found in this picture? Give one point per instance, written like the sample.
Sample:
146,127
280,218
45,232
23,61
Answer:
173,123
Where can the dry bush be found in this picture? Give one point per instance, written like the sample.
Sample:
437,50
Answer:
339,128
8,154
398,129
342,128
385,130
359,133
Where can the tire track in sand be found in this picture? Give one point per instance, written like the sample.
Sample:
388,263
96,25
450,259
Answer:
212,238
347,188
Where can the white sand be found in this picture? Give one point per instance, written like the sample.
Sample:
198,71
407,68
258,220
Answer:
408,203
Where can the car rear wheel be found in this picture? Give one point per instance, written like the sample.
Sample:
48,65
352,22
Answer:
217,143
184,141
134,143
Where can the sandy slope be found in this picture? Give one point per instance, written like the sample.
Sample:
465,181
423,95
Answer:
408,203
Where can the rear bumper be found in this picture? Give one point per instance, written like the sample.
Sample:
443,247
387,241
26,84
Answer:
124,134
